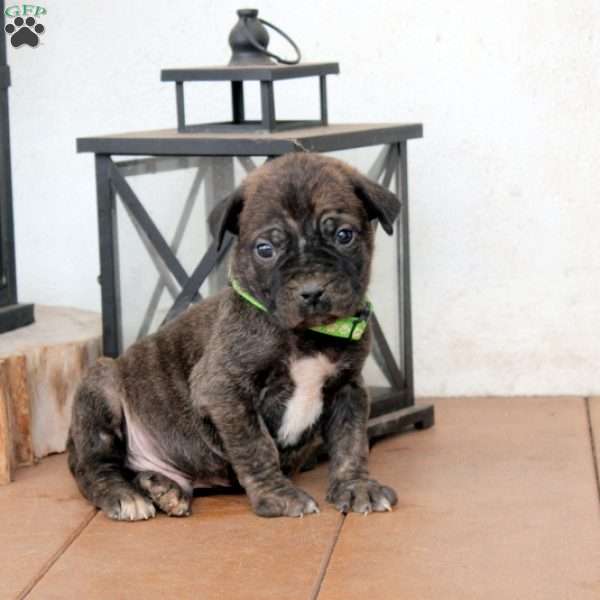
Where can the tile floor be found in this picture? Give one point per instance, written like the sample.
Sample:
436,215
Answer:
500,500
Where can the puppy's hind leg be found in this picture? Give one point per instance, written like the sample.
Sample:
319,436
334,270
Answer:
97,448
165,493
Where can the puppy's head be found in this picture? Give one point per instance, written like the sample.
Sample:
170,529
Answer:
305,229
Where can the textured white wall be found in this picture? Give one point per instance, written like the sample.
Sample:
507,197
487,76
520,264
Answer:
505,185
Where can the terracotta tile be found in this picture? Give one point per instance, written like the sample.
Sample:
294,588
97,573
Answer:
223,551
39,513
497,501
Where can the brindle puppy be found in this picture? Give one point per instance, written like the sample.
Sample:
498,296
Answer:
229,394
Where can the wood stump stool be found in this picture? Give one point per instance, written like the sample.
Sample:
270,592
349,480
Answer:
40,368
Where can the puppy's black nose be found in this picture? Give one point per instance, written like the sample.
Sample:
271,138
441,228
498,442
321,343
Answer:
311,294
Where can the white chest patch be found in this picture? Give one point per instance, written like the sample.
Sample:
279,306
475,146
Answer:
305,405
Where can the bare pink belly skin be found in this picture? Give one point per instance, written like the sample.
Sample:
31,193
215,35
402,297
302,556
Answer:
144,453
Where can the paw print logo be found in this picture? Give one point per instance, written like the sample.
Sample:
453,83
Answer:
24,31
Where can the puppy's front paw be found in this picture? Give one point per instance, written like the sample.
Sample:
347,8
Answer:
361,495
288,501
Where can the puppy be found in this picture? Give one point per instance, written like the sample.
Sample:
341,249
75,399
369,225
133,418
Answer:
239,389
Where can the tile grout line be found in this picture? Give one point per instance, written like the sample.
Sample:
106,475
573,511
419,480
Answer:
54,558
327,559
595,456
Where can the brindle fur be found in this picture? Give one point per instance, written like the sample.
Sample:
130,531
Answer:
211,386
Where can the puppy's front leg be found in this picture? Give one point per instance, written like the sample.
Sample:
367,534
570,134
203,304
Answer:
345,432
252,451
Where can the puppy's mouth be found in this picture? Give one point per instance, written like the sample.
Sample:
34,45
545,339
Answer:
305,319
315,320
312,304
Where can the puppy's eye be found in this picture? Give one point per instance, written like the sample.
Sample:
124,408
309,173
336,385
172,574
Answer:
264,250
344,236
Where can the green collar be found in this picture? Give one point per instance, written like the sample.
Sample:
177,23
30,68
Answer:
350,328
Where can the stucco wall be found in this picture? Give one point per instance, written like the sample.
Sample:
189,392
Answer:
505,185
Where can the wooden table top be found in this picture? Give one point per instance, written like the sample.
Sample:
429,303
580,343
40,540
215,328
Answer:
328,138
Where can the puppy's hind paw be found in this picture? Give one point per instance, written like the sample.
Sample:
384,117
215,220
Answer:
165,493
125,505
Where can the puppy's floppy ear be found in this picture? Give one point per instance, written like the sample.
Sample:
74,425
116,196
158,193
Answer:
225,216
380,203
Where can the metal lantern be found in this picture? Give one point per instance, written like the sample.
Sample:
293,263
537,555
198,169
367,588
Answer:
212,150
12,314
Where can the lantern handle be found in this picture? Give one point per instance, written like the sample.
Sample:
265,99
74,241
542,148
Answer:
263,49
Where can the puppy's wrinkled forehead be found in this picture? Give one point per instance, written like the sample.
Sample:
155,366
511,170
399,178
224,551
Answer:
301,188
298,190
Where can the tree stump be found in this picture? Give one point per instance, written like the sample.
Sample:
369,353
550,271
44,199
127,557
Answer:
40,368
